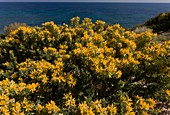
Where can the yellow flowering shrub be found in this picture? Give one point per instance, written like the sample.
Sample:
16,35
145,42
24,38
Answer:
83,68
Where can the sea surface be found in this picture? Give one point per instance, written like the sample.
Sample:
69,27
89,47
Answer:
34,14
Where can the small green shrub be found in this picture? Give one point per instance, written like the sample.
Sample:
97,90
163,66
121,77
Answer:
160,23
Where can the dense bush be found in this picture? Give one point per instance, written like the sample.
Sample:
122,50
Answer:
160,23
87,68
12,27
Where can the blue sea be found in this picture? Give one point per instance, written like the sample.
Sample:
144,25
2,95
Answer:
34,14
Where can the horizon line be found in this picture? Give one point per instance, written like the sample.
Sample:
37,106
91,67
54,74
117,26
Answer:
74,2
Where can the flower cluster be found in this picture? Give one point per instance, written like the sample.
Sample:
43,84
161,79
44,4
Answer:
96,108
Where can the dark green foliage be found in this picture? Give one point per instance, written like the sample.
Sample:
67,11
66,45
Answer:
160,23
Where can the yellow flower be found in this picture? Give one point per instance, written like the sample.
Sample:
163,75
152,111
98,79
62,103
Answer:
1,71
22,84
119,74
70,80
147,106
168,92
32,86
5,82
6,64
10,51
4,99
129,108
14,75
7,91
39,107
16,107
27,105
83,107
12,86
44,78
26,30
70,101
112,109
4,111
151,102
91,112
61,79
144,113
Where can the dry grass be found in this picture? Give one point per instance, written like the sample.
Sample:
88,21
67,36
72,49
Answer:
142,29
163,37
